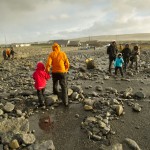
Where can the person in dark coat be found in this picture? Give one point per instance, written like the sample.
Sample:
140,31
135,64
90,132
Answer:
112,52
4,54
126,53
12,52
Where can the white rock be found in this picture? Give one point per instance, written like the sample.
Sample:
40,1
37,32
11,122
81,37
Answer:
9,107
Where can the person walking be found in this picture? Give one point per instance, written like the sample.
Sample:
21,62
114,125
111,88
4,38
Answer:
112,52
12,52
135,57
126,53
60,66
40,77
118,64
4,54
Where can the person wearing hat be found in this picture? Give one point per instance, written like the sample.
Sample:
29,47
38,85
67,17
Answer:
126,53
118,64
60,66
112,52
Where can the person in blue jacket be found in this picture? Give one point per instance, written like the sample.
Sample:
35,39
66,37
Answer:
118,64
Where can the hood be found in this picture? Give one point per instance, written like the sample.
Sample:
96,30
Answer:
56,47
40,66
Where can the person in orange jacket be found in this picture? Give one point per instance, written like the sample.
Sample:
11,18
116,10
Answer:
8,53
60,66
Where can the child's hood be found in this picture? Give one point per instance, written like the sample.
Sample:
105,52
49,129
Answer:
40,66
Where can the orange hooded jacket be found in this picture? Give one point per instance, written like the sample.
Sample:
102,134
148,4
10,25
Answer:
58,60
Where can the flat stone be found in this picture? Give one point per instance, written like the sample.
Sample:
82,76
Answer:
139,95
87,107
28,138
89,101
9,107
132,144
91,119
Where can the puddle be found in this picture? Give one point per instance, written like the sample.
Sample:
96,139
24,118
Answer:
46,123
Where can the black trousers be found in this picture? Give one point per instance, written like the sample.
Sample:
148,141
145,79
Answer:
126,61
116,70
40,94
61,78
111,59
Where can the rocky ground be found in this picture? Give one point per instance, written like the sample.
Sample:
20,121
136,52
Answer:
105,113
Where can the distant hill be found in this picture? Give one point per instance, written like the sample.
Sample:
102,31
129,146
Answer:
122,37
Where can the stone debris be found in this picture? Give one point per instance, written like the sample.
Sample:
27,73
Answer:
132,144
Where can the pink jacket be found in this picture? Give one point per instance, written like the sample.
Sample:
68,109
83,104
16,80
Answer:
40,76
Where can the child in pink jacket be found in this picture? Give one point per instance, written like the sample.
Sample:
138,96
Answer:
40,77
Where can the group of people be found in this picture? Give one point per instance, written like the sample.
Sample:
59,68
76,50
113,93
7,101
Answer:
58,61
122,58
8,53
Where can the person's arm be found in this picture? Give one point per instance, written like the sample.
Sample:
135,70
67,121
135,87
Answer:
48,64
47,76
66,63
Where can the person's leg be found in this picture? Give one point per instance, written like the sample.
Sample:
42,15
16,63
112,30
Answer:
110,64
116,70
55,83
40,97
121,72
136,65
125,63
63,84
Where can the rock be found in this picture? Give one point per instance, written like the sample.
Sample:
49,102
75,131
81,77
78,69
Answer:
136,107
9,107
101,124
77,115
106,77
94,94
1,112
50,100
117,146
75,96
91,119
112,90
139,95
96,137
90,63
119,110
77,89
70,91
129,73
82,69
14,144
28,138
10,127
44,145
88,107
19,112
88,101
99,88
132,144
127,92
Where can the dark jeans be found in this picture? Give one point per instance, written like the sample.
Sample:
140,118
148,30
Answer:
61,78
40,94
111,59
126,61
116,70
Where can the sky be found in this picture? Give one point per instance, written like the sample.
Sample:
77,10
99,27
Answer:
43,20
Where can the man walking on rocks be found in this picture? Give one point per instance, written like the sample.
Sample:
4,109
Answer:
60,65
112,52
126,52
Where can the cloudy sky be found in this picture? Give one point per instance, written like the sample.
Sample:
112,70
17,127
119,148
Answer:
42,20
